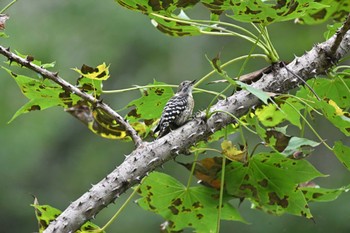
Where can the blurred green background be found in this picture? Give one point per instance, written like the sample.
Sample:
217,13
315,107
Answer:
53,156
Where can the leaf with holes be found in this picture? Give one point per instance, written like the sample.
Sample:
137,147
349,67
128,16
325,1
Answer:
269,115
318,194
337,10
297,144
336,89
270,181
42,94
194,207
152,102
46,214
336,116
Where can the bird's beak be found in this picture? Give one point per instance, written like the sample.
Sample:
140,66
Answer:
193,82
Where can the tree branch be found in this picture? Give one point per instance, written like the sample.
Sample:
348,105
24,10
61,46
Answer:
72,89
339,36
150,155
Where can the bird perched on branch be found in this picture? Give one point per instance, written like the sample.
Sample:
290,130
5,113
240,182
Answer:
177,110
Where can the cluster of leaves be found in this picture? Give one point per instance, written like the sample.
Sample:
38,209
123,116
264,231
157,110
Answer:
45,214
43,93
278,181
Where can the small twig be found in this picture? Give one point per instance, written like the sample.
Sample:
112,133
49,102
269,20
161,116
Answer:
303,81
8,6
72,89
339,36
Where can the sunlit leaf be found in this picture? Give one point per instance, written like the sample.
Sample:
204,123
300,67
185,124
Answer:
152,102
101,72
337,117
337,10
195,207
336,89
269,115
266,12
42,94
232,152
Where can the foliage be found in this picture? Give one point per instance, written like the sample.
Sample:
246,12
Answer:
45,214
278,181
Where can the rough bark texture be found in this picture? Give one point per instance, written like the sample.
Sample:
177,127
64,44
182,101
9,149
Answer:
150,155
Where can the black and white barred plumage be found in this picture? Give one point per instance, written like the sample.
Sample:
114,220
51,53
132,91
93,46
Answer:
178,109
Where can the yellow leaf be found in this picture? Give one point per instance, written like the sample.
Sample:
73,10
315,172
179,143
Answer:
101,72
338,111
232,153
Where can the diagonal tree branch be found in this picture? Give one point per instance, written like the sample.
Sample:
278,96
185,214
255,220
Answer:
339,37
72,89
150,155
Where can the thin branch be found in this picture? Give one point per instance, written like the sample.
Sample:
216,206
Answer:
339,36
72,89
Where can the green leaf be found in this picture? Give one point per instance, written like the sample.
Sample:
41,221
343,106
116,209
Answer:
297,144
263,96
264,12
195,207
343,153
337,10
269,115
152,102
336,89
42,94
331,30
336,116
46,214
291,109
270,182
323,194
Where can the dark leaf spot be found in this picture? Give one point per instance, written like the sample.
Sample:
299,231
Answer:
274,199
159,91
263,183
34,108
199,216
316,195
43,223
173,210
197,205
177,202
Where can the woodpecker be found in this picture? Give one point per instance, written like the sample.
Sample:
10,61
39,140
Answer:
177,110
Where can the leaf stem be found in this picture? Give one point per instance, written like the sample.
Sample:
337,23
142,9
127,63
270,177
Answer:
7,6
120,209
162,85
311,128
234,117
221,192
192,170
228,63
